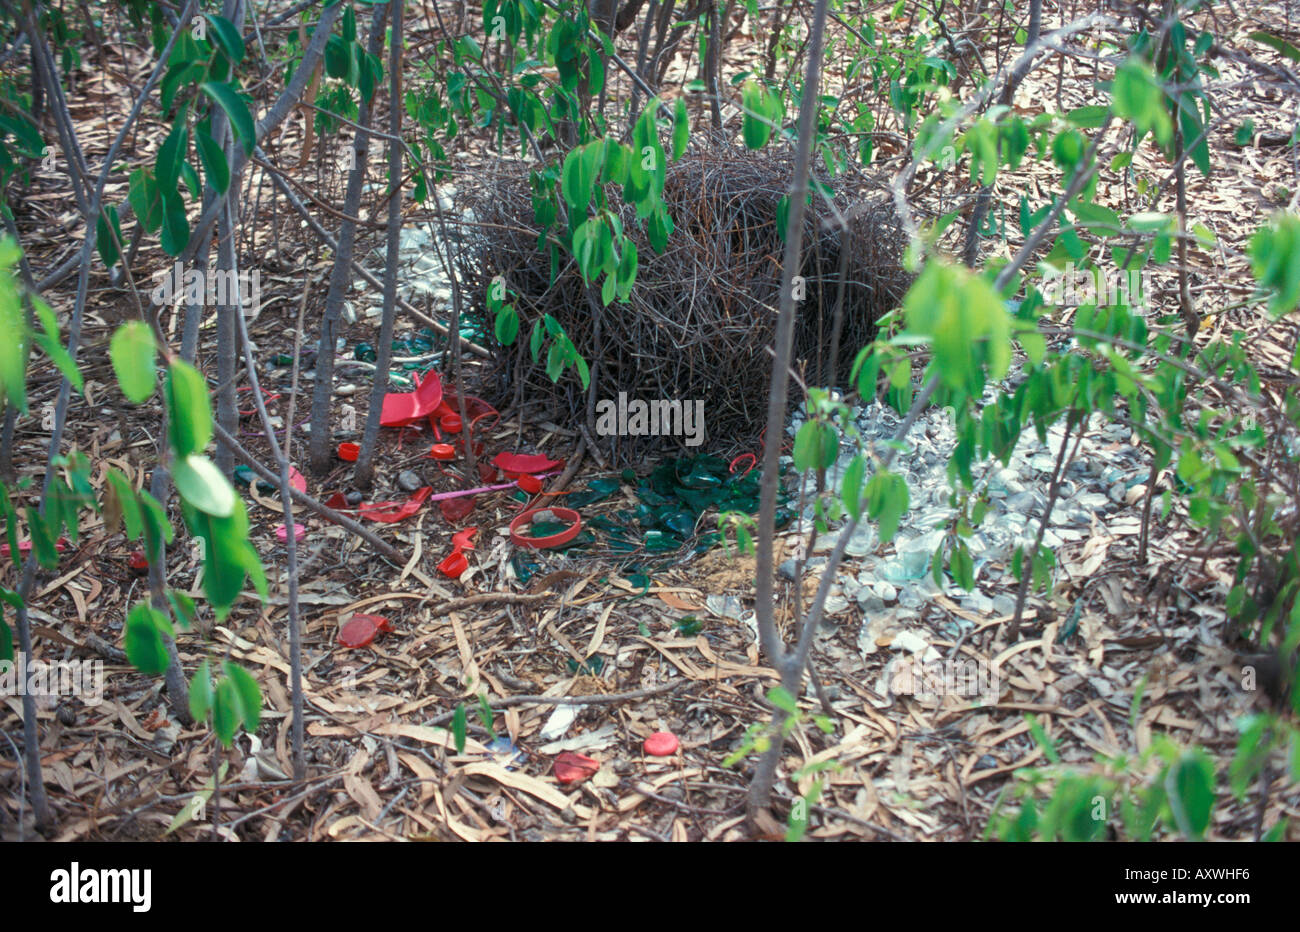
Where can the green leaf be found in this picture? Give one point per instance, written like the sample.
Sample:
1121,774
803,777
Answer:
1281,46
171,154
182,607
250,696
554,362
201,695
887,502
215,166
1092,117
338,57
782,699
127,503
507,325
681,129
1139,98
535,339
203,486
459,727
143,637
226,711
48,340
156,525
145,197
755,129
852,486
227,36
131,350
241,121
1189,786
188,410
627,266
108,237
175,226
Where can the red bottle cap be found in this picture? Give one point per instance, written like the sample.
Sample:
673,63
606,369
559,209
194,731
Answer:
661,744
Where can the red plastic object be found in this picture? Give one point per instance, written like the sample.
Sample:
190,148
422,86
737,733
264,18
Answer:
385,512
750,457
455,509
661,744
476,409
574,768
486,473
530,484
299,532
361,630
297,479
525,519
454,565
138,563
349,452
463,540
451,423
402,408
25,546
517,464
443,451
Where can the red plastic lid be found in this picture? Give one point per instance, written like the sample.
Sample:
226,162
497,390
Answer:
661,744
454,565
349,452
442,451
451,423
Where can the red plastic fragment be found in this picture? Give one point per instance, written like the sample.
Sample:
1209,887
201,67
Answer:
402,408
486,473
297,480
462,540
361,630
349,452
521,463
661,744
530,484
574,768
455,509
385,512
138,562
299,532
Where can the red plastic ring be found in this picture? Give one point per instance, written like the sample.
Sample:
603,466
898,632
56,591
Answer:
525,519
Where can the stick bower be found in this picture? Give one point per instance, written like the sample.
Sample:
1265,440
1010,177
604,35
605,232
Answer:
702,315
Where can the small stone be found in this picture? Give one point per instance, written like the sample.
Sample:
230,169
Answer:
409,480
353,498
861,543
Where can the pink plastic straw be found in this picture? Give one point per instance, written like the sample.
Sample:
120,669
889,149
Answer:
485,488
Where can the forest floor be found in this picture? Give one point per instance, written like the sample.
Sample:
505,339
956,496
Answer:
580,654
